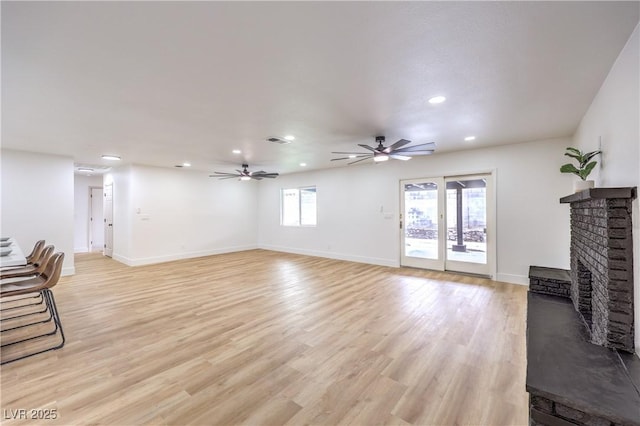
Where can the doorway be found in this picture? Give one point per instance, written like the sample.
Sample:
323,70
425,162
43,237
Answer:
447,223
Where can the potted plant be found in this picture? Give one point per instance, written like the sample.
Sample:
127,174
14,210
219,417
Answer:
585,166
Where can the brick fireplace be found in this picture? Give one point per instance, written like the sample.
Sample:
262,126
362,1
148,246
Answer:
581,369
602,264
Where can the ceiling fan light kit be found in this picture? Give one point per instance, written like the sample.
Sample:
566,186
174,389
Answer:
378,158
397,151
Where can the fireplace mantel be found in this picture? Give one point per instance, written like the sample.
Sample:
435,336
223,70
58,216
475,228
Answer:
600,193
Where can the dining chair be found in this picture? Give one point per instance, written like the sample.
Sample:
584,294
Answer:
34,268
42,283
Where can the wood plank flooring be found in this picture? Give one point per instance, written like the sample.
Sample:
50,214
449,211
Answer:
266,338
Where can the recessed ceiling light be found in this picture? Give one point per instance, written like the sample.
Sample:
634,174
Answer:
437,100
289,138
84,169
111,157
470,138
185,164
303,164
237,151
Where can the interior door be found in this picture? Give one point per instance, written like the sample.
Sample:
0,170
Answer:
96,219
108,220
469,208
422,223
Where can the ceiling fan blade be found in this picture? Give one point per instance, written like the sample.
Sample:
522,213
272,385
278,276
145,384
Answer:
349,153
228,177
269,175
399,157
415,153
240,171
351,157
362,159
419,147
219,174
367,147
261,172
256,177
399,144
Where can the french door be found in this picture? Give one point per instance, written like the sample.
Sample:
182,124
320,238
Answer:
447,223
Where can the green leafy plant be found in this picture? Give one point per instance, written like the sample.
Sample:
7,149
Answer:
585,165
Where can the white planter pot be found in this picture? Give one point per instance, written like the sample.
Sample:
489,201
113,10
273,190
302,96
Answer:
581,185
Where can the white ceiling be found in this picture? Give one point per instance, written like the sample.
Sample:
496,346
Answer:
160,83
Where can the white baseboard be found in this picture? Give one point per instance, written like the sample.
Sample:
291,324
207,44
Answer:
513,279
508,278
178,256
333,255
121,259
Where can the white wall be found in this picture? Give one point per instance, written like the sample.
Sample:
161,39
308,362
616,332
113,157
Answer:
167,214
37,201
614,118
81,184
532,226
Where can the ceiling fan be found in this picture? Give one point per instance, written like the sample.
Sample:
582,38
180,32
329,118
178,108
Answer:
245,174
397,151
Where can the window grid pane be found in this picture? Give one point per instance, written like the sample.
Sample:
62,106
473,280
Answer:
290,207
308,206
298,207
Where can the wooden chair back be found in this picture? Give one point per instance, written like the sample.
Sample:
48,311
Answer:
35,253
53,270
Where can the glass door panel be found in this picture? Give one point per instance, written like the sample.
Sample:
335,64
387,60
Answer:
422,223
466,223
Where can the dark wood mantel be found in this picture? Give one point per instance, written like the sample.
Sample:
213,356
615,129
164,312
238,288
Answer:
600,193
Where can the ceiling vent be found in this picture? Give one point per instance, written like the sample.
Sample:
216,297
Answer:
274,139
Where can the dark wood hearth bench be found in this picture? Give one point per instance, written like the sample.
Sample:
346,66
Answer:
570,380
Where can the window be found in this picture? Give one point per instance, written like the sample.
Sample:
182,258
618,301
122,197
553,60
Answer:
298,207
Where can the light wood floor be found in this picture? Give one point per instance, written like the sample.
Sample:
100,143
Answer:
267,338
